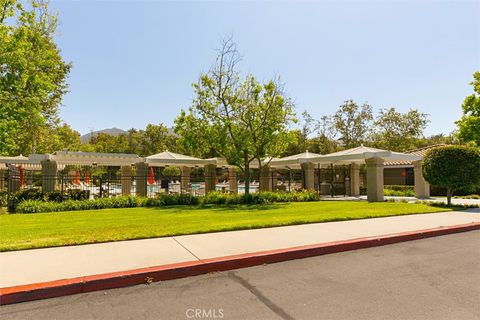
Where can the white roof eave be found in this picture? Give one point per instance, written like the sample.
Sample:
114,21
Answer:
403,157
354,157
89,158
179,162
283,163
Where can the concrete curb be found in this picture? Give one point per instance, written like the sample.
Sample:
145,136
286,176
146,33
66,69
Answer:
112,280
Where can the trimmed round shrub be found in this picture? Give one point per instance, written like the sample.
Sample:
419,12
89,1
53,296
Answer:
452,167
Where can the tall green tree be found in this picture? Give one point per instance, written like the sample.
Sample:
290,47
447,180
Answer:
437,139
107,143
352,122
32,75
393,130
155,139
316,136
239,119
469,124
304,137
326,135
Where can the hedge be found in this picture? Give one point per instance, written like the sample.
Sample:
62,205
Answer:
399,191
172,200
37,206
37,194
3,199
260,198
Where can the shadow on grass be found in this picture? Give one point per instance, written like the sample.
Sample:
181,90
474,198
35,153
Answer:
222,207
453,206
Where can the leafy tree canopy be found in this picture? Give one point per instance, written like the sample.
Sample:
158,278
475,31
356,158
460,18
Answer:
239,119
352,122
153,139
393,130
32,77
469,124
317,136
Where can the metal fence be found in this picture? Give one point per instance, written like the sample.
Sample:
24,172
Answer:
105,186
333,181
328,181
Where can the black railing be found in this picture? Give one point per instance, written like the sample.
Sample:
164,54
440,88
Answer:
326,182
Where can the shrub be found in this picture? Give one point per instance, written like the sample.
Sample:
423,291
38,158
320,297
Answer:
399,191
452,167
221,198
471,196
35,206
39,195
177,199
3,199
455,206
171,172
56,196
260,198
442,191
363,191
76,194
253,198
22,195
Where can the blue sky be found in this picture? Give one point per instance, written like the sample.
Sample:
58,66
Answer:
134,62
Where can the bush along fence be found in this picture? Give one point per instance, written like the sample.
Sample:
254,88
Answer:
36,204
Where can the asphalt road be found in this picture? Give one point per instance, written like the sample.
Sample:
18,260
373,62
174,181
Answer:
436,278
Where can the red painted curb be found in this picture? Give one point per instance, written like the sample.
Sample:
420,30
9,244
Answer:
105,281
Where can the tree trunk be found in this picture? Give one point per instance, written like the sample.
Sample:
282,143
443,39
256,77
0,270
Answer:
260,177
247,176
449,196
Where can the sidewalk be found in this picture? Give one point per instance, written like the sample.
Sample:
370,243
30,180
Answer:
43,265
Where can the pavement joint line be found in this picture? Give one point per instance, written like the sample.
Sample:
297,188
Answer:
83,284
193,254
260,296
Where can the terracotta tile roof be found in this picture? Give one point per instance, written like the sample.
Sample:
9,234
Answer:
418,152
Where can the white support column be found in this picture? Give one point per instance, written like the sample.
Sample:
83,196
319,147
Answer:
374,179
355,179
422,187
309,175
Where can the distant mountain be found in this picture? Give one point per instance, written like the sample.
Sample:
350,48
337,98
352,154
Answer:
112,131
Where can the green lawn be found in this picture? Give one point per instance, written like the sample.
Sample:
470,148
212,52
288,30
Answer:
25,231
